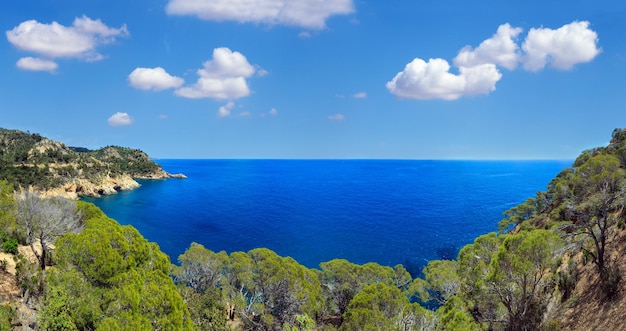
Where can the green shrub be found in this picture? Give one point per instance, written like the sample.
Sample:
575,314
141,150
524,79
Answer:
10,246
55,314
8,314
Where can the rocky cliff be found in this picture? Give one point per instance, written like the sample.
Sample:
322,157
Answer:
30,161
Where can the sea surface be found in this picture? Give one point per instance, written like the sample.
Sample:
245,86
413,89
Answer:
383,211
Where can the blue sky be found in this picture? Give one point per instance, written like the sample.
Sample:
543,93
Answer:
317,78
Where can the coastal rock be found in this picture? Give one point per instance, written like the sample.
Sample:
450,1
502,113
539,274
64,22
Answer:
79,187
161,174
82,187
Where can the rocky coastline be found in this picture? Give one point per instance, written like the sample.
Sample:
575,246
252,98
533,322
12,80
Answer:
32,162
107,185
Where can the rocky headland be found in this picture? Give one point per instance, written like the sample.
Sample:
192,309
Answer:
32,162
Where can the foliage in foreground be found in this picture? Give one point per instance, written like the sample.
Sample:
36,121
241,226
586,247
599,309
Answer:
110,278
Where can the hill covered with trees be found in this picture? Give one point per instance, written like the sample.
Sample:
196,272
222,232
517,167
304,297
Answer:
556,263
30,160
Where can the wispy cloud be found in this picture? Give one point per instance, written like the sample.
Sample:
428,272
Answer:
478,72
120,119
360,95
305,35
225,110
36,64
52,41
272,112
309,14
336,117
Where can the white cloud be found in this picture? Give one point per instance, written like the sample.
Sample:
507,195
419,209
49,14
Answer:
310,14
225,110
226,64
501,49
36,64
120,119
80,40
433,80
156,79
222,78
360,95
561,48
336,117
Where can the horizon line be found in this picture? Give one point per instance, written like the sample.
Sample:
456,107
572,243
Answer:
362,159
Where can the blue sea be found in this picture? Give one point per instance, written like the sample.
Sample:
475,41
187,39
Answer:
384,211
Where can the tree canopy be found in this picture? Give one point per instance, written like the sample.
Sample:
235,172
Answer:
116,279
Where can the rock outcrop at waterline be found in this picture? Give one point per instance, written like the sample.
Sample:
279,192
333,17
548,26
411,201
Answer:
80,187
30,161
106,186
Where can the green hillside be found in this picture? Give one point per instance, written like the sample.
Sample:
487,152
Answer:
28,159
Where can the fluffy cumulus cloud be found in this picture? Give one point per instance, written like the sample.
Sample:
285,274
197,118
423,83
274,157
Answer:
120,119
156,79
309,14
477,68
433,80
36,64
51,41
501,49
562,48
222,78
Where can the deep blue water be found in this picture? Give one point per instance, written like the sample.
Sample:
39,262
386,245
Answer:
384,211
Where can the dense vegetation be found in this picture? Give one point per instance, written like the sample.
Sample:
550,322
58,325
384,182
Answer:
105,276
31,160
108,277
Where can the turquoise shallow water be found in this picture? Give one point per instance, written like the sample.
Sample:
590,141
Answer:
384,211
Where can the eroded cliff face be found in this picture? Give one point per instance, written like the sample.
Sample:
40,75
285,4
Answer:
105,185
82,187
